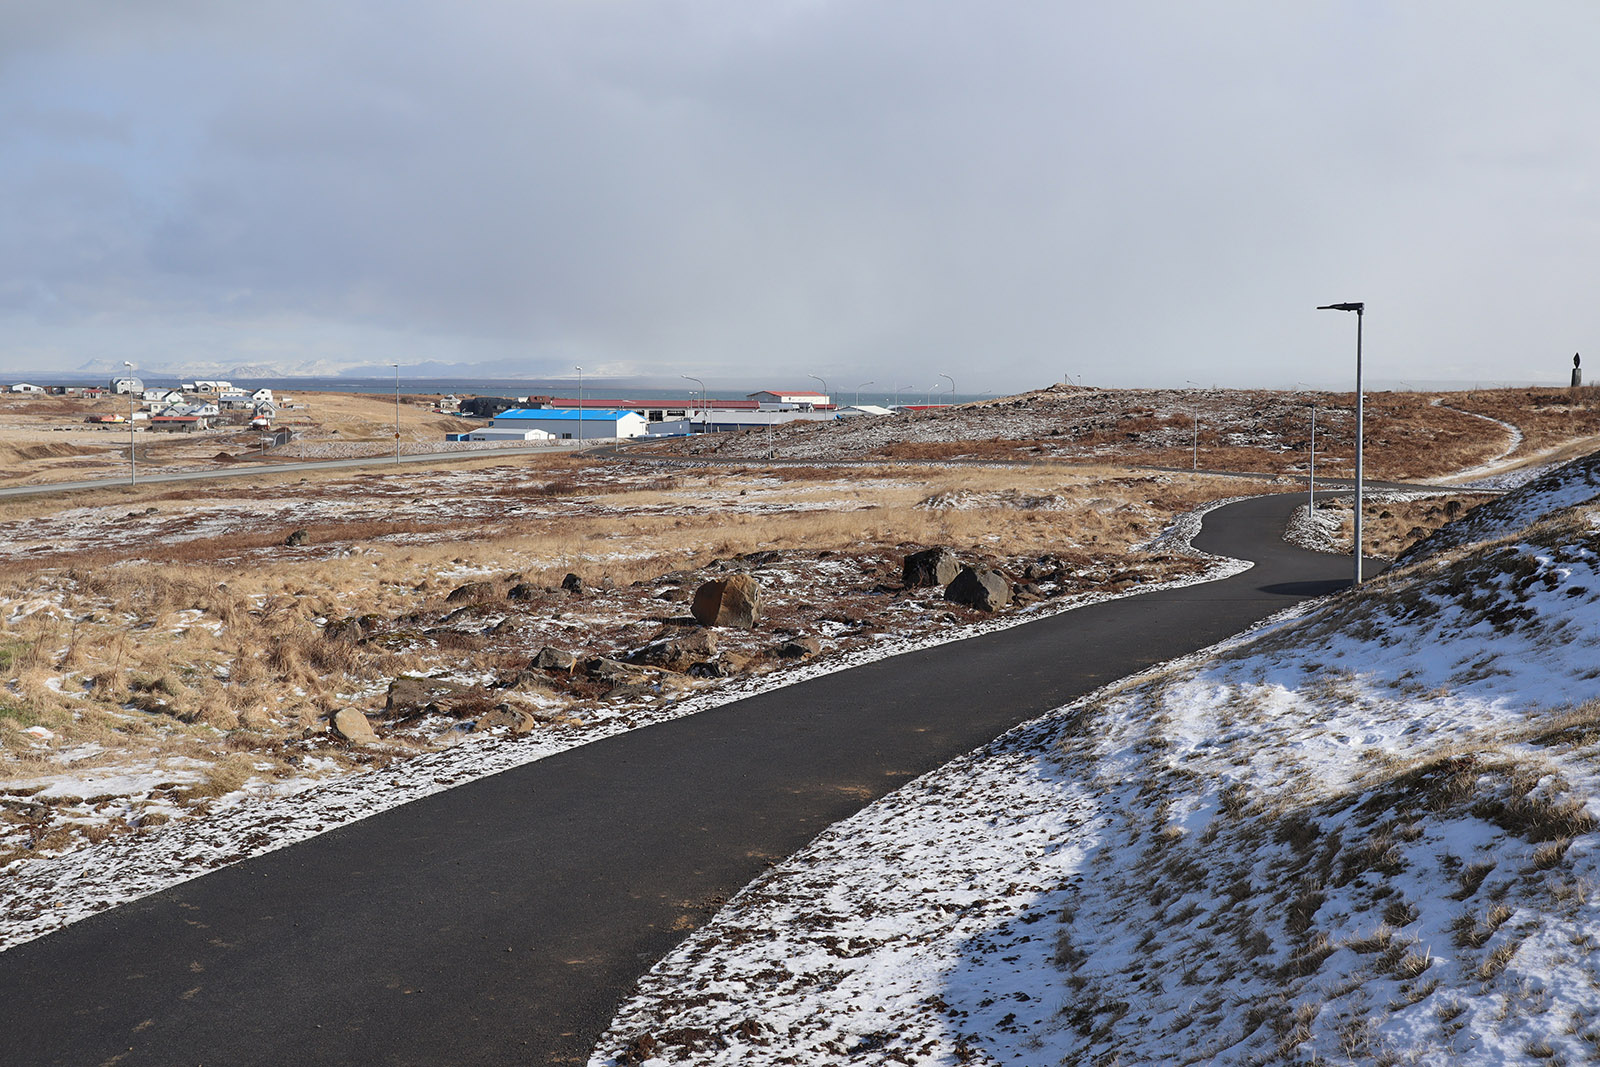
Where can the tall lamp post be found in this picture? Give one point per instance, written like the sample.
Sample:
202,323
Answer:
133,462
1359,307
396,367
858,391
824,382
1196,463
1311,476
952,382
703,400
580,405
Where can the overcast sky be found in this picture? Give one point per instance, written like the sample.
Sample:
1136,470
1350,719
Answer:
1135,193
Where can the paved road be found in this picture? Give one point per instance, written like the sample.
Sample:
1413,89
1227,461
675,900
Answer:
503,921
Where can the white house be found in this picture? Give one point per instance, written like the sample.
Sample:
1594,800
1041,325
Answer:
24,387
507,433
212,386
800,399
262,396
127,385
574,424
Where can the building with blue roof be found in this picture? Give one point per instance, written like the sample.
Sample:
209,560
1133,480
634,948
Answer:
574,423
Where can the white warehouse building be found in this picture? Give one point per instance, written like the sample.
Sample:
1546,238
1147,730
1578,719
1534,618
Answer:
574,424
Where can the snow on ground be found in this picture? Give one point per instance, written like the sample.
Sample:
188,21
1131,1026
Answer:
1364,832
1573,483
47,893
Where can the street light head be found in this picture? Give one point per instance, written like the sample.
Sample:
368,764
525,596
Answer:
1357,307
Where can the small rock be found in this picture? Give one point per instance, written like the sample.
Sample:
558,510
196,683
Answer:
412,697
609,670
522,591
799,648
351,725
732,601
299,537
932,566
572,584
472,591
553,659
677,653
983,589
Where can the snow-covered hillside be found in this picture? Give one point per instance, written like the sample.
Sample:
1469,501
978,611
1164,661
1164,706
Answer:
1366,833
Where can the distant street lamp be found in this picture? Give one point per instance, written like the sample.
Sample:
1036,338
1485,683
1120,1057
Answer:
1311,480
1196,414
824,382
952,382
897,390
580,405
133,462
1359,308
396,367
858,391
703,416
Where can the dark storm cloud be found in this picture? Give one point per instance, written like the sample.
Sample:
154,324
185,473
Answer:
1135,192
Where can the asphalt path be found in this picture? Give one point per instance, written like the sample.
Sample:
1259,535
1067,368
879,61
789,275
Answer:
504,921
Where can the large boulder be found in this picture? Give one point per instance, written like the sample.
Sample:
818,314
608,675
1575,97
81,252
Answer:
932,566
732,601
353,726
979,588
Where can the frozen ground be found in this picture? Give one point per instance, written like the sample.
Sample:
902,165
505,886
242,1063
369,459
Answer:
1363,833
47,893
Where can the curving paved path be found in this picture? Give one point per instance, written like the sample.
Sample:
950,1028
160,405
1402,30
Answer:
503,921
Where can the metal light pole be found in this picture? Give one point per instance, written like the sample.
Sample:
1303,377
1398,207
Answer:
1360,308
858,391
1196,414
952,382
824,382
133,462
897,395
702,402
396,367
580,405
1311,477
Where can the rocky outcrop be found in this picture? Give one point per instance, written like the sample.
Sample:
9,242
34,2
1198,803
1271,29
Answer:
572,584
980,588
732,601
930,567
353,726
522,591
297,538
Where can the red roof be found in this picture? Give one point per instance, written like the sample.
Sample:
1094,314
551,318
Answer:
611,404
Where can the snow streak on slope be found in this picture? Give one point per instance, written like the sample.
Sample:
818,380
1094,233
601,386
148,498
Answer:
1575,483
1364,833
